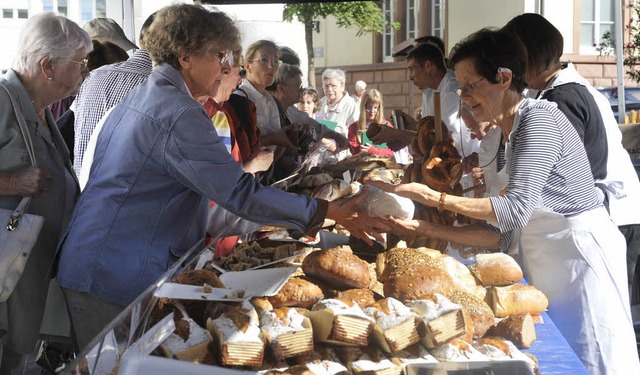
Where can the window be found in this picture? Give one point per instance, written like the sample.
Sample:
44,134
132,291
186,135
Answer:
412,19
388,39
47,5
7,13
101,8
62,7
596,18
86,10
437,18
23,13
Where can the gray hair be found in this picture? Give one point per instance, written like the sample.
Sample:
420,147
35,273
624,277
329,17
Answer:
361,85
49,35
335,73
192,29
286,72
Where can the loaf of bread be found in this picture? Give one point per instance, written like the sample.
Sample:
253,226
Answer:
517,299
238,337
314,180
480,313
418,281
262,305
496,269
297,292
338,268
518,329
332,191
398,258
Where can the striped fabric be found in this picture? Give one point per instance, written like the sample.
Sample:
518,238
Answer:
548,164
101,90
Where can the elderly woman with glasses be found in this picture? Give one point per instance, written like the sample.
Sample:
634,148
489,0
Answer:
49,67
158,162
569,248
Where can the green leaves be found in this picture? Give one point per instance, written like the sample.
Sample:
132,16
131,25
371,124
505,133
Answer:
365,15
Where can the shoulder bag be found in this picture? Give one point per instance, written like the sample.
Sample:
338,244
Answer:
19,230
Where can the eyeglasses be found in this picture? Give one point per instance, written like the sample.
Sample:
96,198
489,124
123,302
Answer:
225,57
265,61
83,63
468,88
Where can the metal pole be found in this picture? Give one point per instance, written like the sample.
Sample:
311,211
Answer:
619,26
127,20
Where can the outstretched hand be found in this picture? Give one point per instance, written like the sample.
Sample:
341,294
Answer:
350,214
413,190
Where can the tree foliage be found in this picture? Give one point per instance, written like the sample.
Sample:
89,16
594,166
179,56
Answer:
631,50
365,15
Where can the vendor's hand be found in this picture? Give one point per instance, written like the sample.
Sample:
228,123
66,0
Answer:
478,175
409,228
332,146
413,190
349,214
259,162
29,182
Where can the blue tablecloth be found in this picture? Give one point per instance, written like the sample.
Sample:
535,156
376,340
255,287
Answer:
554,354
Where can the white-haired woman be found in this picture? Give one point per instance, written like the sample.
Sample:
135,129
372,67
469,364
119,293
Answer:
49,66
337,105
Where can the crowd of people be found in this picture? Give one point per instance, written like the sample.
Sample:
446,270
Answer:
140,156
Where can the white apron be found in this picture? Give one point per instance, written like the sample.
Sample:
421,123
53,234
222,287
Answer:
579,263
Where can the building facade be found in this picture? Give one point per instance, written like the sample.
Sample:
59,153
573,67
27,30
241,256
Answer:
582,23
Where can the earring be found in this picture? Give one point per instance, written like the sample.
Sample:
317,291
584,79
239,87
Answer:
50,78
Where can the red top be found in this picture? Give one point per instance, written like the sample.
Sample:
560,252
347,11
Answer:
354,143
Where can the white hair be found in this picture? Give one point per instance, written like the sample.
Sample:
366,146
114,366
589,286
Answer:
335,73
361,85
49,35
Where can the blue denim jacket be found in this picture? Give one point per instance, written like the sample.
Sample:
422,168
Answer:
158,162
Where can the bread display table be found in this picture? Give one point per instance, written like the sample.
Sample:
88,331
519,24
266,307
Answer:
128,341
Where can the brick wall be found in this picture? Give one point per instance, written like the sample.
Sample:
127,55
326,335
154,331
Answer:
392,79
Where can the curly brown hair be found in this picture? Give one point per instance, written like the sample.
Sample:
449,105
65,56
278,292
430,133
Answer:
181,29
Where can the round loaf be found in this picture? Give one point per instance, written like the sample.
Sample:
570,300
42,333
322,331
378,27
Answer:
418,281
396,259
338,268
297,292
496,269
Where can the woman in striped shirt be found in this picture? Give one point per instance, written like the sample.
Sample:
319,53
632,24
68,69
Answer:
568,245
